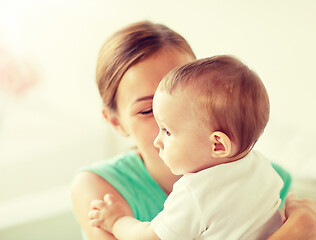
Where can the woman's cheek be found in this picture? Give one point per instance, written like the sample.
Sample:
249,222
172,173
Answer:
153,129
145,129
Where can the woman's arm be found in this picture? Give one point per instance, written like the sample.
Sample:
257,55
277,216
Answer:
87,187
300,220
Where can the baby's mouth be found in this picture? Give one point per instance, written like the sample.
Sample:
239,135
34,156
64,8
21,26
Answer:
160,154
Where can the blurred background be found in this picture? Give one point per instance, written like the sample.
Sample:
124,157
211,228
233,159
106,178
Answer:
50,109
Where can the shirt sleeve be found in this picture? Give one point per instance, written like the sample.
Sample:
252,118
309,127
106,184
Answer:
181,216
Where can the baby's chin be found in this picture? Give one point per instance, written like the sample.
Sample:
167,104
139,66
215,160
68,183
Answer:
160,154
177,173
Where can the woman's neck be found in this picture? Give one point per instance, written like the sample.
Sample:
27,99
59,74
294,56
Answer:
160,173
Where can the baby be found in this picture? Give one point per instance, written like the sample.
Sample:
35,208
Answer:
210,113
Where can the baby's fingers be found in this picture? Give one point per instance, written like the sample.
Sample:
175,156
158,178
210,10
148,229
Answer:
94,214
97,204
95,223
109,199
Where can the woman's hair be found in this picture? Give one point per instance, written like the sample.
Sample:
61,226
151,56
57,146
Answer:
129,46
227,95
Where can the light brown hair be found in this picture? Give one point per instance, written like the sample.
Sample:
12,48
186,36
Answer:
129,46
228,95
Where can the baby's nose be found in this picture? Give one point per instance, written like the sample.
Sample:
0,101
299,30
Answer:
158,143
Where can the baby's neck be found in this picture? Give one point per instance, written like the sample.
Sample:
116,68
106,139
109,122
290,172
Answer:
235,157
240,155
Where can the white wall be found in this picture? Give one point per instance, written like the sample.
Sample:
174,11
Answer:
57,127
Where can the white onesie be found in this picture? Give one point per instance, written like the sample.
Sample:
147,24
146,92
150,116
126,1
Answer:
237,200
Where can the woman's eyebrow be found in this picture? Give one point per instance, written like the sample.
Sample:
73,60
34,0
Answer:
145,98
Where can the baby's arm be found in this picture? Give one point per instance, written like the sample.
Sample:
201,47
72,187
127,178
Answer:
109,215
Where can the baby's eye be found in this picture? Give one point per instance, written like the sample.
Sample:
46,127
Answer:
166,132
146,112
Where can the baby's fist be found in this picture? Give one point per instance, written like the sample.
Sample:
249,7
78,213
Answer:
104,213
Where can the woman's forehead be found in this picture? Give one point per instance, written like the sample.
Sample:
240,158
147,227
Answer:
142,79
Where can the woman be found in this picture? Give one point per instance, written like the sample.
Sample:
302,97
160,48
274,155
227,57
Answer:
131,63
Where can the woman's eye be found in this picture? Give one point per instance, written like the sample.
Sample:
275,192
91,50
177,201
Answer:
166,132
147,112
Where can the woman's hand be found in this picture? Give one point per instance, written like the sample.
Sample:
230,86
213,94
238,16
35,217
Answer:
300,220
304,211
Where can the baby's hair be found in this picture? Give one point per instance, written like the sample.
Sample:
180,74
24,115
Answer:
129,46
227,95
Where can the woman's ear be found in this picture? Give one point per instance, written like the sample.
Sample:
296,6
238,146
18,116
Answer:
221,146
112,118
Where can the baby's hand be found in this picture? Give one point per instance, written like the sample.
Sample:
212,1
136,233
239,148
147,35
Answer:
104,213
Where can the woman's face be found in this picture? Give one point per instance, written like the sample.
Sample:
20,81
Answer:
135,95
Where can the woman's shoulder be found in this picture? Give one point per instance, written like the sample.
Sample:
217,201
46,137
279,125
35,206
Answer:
124,172
85,188
122,160
100,174
107,174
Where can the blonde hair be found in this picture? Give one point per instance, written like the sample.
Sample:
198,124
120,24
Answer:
129,46
229,96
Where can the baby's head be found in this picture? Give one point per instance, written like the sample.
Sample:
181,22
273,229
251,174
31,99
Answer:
227,96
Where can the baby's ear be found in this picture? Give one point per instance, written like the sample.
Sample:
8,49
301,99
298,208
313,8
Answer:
112,118
221,145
